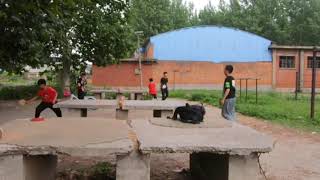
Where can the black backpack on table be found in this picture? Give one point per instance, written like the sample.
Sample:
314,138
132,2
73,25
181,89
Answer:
189,114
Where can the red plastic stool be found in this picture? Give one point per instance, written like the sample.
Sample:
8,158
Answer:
37,119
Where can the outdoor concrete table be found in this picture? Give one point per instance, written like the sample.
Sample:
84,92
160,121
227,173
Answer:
84,105
160,108
28,150
135,94
223,151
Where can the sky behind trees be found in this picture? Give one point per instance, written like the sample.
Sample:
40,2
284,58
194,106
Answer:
200,4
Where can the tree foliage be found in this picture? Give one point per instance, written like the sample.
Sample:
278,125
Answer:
292,22
158,16
63,33
66,34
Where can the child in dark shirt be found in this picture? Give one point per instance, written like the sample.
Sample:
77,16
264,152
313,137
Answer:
164,86
229,91
81,86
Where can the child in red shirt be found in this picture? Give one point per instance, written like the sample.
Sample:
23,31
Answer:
152,88
49,98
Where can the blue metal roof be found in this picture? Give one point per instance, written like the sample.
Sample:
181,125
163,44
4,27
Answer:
211,43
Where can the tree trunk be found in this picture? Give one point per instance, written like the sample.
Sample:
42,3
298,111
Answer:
65,75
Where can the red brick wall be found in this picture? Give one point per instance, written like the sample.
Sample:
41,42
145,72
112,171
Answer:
308,71
286,78
120,75
181,73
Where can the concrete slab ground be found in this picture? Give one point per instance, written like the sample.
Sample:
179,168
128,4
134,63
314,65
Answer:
73,136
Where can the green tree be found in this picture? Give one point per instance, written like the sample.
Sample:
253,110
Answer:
64,34
23,34
90,31
292,22
158,16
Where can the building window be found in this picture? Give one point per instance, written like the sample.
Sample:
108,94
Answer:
287,62
310,59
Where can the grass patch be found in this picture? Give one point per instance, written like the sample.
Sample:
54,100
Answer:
280,108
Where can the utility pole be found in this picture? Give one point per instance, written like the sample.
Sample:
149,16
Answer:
313,88
138,33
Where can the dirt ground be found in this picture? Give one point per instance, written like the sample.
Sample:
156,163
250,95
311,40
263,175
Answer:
296,154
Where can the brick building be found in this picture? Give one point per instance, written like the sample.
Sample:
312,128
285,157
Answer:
195,57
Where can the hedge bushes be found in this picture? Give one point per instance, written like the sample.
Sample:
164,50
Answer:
20,92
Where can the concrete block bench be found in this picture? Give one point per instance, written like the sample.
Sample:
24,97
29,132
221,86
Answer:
28,150
159,108
228,152
134,94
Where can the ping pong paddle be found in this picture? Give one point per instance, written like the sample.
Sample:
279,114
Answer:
39,119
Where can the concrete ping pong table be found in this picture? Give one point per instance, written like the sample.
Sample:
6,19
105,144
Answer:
160,108
219,150
29,150
135,94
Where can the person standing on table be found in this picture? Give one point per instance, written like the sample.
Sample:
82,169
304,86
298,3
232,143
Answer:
229,95
81,86
49,97
164,86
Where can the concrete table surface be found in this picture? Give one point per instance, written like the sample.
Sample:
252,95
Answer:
119,91
128,104
73,136
152,105
87,104
233,140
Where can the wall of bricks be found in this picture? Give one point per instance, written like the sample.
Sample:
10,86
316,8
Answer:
308,71
191,75
181,74
120,75
286,78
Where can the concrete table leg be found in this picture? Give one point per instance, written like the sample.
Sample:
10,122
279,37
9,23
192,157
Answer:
138,96
103,95
157,113
166,113
40,167
122,114
119,95
162,113
84,112
244,167
134,166
132,96
11,167
209,166
97,95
